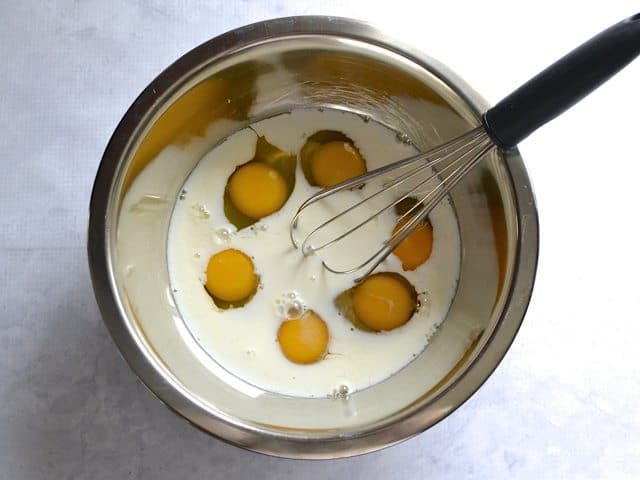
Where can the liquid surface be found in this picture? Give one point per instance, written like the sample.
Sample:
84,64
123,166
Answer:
244,340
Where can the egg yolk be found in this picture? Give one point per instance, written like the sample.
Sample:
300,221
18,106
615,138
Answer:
231,276
257,190
304,340
414,250
335,162
383,302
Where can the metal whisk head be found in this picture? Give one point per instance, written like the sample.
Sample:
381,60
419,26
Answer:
426,177
429,176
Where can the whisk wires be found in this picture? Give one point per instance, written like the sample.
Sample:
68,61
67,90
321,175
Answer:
441,169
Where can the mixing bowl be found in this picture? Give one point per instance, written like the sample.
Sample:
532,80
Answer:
254,72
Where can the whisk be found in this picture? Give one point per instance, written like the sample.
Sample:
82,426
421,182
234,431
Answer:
535,103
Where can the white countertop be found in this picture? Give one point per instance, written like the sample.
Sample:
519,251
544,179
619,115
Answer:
563,404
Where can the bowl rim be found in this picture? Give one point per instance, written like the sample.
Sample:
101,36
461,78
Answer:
264,440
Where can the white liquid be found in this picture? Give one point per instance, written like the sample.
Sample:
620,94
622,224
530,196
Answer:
244,340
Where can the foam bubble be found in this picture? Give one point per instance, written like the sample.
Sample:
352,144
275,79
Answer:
341,392
289,306
222,235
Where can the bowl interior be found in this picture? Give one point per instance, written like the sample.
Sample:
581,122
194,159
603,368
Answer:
198,102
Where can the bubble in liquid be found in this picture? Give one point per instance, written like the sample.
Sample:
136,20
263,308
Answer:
308,250
423,300
341,393
403,138
223,234
280,310
365,118
183,194
294,309
290,306
200,211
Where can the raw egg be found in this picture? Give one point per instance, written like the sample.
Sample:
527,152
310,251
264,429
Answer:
257,190
304,340
335,162
231,278
261,186
383,301
329,157
416,249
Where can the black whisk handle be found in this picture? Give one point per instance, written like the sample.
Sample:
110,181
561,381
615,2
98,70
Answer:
563,84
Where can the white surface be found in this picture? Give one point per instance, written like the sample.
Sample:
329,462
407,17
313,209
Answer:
563,404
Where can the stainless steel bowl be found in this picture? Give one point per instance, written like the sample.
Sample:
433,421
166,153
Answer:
260,70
